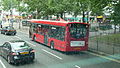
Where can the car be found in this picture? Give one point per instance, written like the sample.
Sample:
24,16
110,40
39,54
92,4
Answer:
8,30
17,51
25,22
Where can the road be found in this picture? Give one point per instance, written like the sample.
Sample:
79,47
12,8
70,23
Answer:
47,58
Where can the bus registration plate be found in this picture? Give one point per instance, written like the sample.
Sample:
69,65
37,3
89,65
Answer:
77,43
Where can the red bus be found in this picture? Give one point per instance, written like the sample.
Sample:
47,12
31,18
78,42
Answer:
60,35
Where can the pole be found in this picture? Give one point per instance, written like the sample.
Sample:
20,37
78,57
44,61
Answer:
11,18
36,13
83,18
88,13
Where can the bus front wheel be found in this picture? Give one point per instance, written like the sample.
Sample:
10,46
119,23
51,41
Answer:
52,45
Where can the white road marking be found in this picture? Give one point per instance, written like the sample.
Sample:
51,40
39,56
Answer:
77,66
52,54
25,41
2,64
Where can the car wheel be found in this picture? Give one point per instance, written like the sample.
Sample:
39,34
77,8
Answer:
32,60
5,33
52,45
9,60
14,34
1,32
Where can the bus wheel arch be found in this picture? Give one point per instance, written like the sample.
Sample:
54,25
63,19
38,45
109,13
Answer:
52,45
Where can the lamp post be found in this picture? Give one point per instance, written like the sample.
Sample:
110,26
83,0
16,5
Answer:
36,13
22,4
11,14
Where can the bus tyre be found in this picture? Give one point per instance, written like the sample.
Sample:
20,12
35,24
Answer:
52,45
34,38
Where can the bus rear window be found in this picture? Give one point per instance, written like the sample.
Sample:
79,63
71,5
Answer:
78,30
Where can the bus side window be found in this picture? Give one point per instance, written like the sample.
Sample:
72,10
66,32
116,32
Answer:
34,28
39,28
61,31
56,32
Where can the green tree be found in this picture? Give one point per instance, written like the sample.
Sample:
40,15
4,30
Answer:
86,6
9,4
62,6
59,7
36,7
49,7
116,15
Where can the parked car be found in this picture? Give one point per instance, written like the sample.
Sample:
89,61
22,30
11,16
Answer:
113,27
17,51
25,22
8,30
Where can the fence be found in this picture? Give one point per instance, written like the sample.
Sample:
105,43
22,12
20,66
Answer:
105,41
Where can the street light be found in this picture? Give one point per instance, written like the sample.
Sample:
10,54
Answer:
11,15
36,13
22,4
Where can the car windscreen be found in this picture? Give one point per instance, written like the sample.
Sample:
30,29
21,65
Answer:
20,45
10,28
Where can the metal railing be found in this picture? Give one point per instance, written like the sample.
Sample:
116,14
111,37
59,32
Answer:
106,45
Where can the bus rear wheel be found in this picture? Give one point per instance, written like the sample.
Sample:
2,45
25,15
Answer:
52,45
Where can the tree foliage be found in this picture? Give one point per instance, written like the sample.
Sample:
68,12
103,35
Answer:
58,7
116,14
9,4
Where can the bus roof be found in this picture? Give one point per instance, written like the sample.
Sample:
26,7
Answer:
50,22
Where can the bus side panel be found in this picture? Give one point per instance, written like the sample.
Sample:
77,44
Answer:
39,38
58,44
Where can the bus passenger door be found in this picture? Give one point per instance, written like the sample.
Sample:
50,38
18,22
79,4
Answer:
46,39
